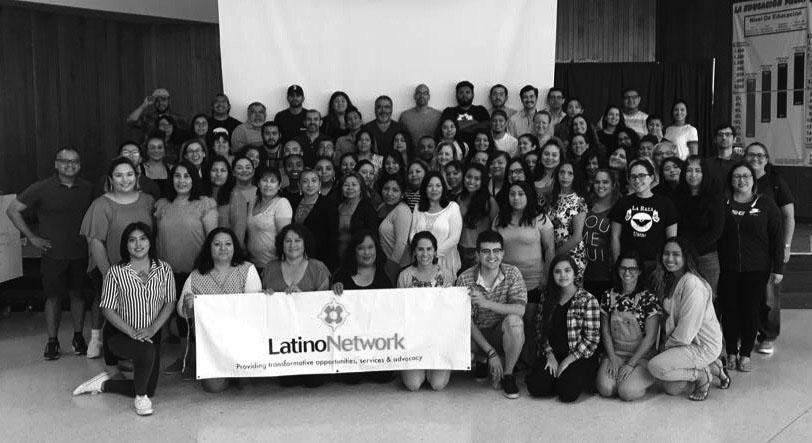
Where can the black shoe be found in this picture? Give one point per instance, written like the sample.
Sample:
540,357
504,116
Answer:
480,371
52,350
509,386
79,345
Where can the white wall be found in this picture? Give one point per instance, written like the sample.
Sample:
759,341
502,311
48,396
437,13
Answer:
372,47
194,10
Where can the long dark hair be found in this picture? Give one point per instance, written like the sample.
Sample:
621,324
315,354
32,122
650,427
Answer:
705,187
223,196
349,263
577,181
194,194
204,262
125,237
530,211
331,117
424,198
551,298
662,280
480,201
592,197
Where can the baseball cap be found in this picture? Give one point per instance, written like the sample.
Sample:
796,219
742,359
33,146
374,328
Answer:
160,92
295,90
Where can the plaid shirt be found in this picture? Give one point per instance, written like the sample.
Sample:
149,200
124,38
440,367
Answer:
583,326
510,290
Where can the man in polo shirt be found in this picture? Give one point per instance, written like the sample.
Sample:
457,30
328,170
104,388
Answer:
59,202
521,122
498,298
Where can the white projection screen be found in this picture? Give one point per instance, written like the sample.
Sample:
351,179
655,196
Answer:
368,48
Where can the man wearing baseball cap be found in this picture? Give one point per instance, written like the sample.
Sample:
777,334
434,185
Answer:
153,107
291,121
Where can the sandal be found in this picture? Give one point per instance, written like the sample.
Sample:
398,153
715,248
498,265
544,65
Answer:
723,375
701,390
732,362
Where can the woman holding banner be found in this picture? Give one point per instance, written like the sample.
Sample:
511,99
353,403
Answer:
362,267
220,268
425,273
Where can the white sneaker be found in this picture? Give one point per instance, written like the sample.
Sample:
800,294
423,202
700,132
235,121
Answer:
92,386
143,405
765,347
94,348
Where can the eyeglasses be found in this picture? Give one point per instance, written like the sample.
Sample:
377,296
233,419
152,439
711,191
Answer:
494,251
629,269
68,161
758,156
516,171
633,177
742,176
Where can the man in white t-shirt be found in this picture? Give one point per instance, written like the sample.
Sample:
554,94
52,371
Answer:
634,117
504,141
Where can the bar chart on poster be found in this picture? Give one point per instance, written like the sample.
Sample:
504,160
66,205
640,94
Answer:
772,80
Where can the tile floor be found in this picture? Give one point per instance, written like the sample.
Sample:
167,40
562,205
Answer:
773,403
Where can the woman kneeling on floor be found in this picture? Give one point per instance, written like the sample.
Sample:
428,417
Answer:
630,317
220,268
693,338
138,296
568,334
425,273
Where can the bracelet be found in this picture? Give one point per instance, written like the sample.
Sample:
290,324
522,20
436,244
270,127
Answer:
491,354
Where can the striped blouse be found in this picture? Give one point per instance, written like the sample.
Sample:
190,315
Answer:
136,302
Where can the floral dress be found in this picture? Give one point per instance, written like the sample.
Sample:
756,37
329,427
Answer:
561,213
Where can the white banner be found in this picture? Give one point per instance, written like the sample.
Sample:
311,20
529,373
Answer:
371,48
772,78
259,335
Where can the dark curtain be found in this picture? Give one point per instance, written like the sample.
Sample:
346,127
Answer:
598,85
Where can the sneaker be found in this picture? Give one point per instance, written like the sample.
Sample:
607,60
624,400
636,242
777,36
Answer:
174,368
509,386
766,347
480,371
745,365
52,350
94,348
92,386
143,405
79,345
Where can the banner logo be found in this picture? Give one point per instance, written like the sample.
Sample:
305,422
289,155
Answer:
333,314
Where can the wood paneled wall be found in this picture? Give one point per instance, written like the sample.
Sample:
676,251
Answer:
70,80
606,31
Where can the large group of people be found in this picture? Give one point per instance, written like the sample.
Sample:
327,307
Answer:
607,256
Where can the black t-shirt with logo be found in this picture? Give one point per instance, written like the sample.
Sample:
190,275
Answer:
644,221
